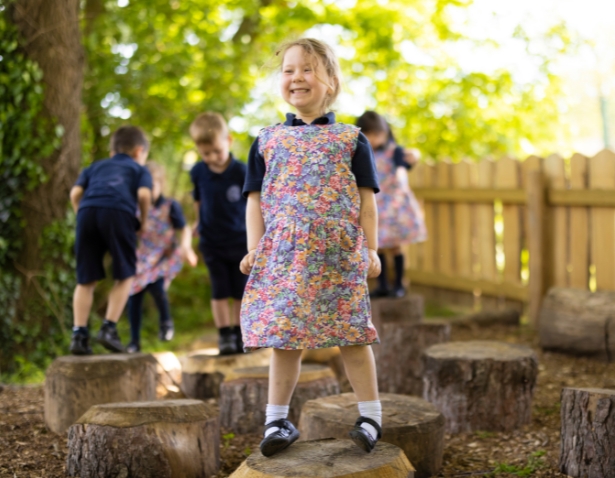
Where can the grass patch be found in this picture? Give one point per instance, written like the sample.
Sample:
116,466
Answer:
534,463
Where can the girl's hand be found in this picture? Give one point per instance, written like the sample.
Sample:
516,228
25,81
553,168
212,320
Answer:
411,156
247,262
374,264
189,256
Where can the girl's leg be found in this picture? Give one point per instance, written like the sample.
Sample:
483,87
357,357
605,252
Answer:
398,260
284,372
135,311
162,302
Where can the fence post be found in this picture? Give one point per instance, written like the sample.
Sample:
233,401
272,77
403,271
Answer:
537,211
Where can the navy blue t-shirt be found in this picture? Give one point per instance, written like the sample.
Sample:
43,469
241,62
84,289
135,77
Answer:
363,165
222,208
176,215
113,183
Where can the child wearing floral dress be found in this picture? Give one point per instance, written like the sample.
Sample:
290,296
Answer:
312,226
400,219
159,259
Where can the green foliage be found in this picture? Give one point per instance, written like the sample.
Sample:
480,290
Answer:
534,463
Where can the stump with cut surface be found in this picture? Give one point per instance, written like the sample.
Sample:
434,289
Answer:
74,383
578,322
408,308
588,433
410,423
161,439
243,395
328,458
481,385
168,375
203,371
399,357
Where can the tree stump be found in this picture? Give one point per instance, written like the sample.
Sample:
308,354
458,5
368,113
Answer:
578,322
408,308
410,423
399,357
74,383
243,395
332,358
588,433
328,458
161,439
481,385
168,375
204,370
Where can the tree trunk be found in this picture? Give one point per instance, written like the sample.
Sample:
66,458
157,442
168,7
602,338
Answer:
578,322
588,433
203,371
73,384
243,395
161,439
328,458
399,357
51,38
481,385
408,308
486,318
411,423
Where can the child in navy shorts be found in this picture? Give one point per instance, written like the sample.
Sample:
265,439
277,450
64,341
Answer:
218,182
105,198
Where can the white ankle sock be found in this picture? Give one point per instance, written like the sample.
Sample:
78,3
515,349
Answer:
371,410
275,412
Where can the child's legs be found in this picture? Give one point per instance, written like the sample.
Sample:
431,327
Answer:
220,286
236,312
135,314
284,373
82,303
162,301
361,371
118,296
221,312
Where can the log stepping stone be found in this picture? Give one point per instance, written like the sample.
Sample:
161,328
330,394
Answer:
399,358
74,383
160,439
411,307
328,458
243,395
168,375
481,385
578,322
410,423
332,358
204,370
588,433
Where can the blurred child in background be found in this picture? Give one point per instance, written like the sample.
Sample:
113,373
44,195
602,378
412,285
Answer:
159,259
400,219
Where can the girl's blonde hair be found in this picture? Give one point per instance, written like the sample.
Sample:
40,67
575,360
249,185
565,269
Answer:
325,55
157,170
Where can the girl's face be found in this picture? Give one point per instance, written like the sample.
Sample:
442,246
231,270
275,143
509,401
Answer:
156,186
377,139
301,86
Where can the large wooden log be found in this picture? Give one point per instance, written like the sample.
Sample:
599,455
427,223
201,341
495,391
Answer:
162,439
408,308
481,385
204,370
243,395
410,423
399,356
588,433
168,375
328,458
74,383
578,322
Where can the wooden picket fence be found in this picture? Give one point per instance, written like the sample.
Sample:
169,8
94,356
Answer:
512,229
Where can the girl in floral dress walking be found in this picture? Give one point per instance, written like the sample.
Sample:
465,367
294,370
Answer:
312,239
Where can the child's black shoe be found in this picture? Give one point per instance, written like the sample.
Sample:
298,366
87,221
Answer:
80,344
238,340
109,339
227,343
398,292
167,331
133,348
378,293
362,438
280,439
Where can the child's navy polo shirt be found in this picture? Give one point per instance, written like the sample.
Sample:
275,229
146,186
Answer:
222,207
363,164
113,183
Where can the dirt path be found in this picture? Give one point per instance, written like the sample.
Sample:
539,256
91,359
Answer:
28,450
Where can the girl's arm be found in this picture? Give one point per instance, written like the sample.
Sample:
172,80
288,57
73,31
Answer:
368,220
255,226
401,174
187,252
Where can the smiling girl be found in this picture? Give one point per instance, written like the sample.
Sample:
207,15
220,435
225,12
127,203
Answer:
312,239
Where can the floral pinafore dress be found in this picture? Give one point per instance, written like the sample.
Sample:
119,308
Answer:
152,264
308,286
400,218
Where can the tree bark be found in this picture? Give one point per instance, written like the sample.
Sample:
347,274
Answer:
578,322
328,458
588,433
481,385
243,395
74,384
399,357
161,439
203,371
410,423
408,308
51,38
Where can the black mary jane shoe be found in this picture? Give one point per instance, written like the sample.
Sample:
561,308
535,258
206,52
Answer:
361,437
279,440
